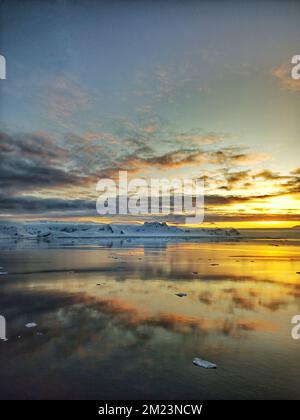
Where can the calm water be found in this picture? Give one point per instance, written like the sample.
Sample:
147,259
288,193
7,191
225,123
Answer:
131,337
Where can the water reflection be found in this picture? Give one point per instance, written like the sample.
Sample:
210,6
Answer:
111,326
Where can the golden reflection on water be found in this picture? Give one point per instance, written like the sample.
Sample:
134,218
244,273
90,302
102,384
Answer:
239,296
236,286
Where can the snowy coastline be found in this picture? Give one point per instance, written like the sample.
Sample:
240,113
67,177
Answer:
53,230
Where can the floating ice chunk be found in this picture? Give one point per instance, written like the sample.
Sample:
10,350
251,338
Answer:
204,363
31,325
181,294
3,272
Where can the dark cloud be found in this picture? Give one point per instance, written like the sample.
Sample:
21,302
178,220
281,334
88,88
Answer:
33,161
269,175
36,145
223,200
40,205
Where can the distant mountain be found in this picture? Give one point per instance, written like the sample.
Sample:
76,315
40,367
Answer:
53,230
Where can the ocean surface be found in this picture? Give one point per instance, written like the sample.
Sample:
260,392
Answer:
110,325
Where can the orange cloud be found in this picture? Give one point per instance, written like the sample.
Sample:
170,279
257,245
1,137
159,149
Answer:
283,74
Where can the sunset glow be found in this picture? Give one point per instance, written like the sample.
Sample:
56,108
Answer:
206,104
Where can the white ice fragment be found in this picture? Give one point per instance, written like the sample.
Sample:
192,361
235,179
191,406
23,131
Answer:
30,325
204,363
3,272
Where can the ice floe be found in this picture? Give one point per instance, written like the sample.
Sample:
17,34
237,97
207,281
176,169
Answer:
204,363
30,325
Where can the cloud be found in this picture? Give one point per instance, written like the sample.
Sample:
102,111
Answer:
200,139
149,130
269,175
283,74
278,184
30,161
37,163
235,178
41,165
40,205
168,160
296,172
63,99
144,108
245,159
184,157
216,199
37,144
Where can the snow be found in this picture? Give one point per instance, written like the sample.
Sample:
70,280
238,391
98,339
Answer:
50,230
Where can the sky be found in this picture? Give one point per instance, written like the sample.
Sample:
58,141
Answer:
163,89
